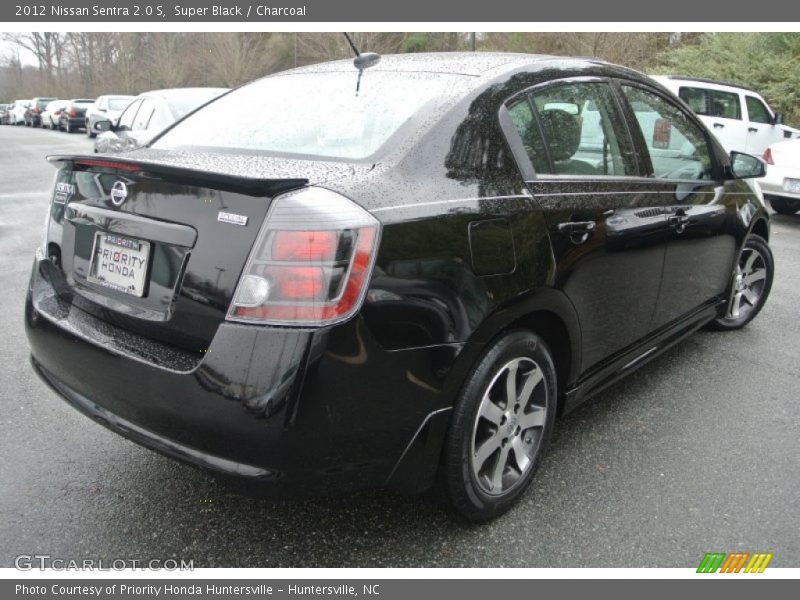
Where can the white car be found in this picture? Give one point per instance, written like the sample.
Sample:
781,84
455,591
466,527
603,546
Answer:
17,113
739,117
781,184
148,115
106,108
52,112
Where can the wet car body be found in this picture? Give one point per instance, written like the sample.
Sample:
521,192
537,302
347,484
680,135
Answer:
472,243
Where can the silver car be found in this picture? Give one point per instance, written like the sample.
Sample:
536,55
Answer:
106,108
148,115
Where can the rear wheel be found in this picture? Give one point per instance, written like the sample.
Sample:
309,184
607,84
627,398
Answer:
500,427
784,206
752,281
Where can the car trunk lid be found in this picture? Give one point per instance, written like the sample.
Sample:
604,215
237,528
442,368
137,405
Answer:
156,244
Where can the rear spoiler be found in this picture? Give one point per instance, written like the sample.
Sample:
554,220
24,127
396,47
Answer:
250,186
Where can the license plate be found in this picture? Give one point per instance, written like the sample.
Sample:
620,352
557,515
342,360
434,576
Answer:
791,185
119,263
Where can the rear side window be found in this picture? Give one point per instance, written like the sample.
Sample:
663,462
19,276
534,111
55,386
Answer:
756,110
677,146
712,103
573,129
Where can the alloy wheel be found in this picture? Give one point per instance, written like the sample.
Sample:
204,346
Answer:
748,283
509,425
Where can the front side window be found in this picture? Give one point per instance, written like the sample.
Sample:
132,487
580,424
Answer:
573,129
143,115
677,146
712,103
756,110
126,119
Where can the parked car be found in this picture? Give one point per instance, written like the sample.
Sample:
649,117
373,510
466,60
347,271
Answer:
33,114
781,184
739,116
17,115
393,275
73,115
4,108
148,115
106,108
52,113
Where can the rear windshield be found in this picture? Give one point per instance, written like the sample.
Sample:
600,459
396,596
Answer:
119,103
311,114
83,101
182,102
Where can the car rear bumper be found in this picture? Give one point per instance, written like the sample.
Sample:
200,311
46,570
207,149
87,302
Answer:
773,182
316,410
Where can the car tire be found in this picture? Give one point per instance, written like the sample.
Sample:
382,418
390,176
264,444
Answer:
752,282
784,206
68,128
482,475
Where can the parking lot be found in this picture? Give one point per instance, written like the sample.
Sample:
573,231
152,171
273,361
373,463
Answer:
698,451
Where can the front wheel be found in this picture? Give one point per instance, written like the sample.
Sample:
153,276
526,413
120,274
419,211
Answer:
752,282
500,427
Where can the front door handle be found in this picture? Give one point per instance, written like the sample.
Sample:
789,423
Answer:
578,231
719,126
752,129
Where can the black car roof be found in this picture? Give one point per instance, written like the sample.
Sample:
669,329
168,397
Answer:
474,64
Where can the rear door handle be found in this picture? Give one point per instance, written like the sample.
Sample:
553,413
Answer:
719,126
578,231
752,129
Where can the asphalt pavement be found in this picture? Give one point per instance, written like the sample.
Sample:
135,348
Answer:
698,451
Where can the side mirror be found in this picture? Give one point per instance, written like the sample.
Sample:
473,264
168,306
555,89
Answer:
778,119
102,126
746,166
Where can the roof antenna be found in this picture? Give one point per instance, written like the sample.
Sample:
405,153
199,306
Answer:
363,60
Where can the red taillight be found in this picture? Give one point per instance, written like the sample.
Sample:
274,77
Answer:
72,112
311,262
304,245
297,283
36,110
768,156
57,113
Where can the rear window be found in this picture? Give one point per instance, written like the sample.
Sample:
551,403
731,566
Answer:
712,103
182,102
119,103
312,114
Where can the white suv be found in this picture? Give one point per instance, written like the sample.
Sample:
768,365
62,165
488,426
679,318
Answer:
739,117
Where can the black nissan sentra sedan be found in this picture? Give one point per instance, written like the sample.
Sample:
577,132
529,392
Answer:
398,275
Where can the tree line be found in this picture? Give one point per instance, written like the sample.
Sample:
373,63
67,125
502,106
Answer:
80,64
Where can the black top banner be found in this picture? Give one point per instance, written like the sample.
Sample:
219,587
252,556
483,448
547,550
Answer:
299,11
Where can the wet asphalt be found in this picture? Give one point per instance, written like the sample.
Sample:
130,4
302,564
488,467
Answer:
698,451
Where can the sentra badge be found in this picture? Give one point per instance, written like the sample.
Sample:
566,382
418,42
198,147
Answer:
226,217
